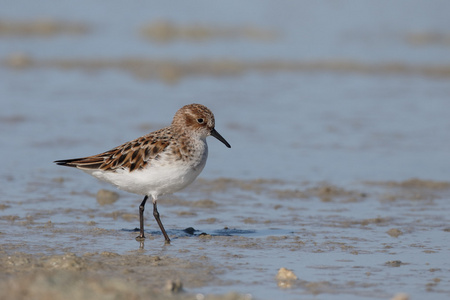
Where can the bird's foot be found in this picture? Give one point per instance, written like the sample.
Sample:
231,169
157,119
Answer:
140,238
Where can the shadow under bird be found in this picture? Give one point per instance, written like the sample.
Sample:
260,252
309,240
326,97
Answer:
161,162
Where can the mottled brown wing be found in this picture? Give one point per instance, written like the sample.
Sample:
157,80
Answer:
133,155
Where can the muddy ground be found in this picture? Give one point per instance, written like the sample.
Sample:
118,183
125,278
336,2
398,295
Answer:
240,228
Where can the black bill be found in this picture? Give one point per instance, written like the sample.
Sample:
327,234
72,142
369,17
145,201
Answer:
215,134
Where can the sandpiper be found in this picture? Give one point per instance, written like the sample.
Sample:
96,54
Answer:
162,162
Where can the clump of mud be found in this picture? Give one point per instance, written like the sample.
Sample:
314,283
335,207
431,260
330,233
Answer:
325,192
412,189
428,38
71,286
166,31
414,183
100,276
43,27
172,71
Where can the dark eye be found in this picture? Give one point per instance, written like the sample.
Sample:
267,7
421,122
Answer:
200,121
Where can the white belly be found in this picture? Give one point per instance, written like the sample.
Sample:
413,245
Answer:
162,176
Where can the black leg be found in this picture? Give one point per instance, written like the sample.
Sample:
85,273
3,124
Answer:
156,215
141,219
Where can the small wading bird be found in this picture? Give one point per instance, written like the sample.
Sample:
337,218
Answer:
162,162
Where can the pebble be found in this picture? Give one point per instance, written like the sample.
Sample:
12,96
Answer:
285,278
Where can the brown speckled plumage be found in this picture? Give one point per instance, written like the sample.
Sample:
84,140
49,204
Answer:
137,154
133,155
161,162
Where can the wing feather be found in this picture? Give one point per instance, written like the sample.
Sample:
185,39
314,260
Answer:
133,155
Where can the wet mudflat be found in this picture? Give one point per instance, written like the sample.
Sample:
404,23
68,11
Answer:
373,241
336,185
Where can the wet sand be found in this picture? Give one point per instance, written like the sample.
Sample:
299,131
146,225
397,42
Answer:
42,258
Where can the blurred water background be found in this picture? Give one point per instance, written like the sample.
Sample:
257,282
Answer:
305,91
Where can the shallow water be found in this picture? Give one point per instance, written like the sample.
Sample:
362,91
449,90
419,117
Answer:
371,242
330,108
